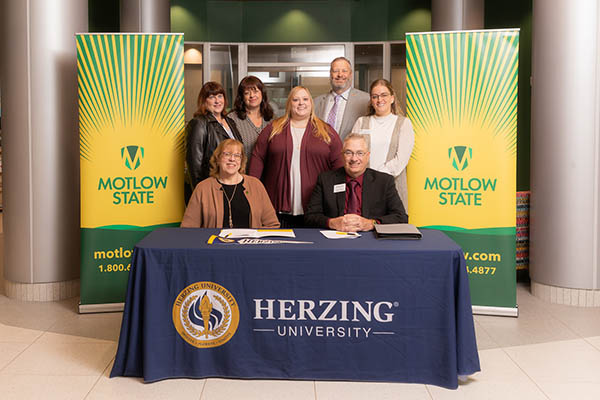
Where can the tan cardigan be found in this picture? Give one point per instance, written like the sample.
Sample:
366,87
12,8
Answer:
205,208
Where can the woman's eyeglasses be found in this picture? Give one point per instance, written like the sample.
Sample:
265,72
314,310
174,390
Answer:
227,154
381,96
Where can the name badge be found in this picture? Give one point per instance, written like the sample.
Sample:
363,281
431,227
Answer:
340,187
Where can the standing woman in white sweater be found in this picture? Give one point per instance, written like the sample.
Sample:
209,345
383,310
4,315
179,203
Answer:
391,135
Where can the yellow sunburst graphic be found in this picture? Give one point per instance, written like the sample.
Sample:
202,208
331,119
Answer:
462,101
131,121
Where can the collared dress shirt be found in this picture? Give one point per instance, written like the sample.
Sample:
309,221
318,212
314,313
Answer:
343,100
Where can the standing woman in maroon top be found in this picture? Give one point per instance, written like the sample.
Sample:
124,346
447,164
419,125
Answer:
291,152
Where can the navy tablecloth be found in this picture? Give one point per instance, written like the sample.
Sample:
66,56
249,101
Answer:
360,309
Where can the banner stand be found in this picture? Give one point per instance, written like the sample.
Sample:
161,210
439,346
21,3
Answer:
98,308
462,98
496,311
131,152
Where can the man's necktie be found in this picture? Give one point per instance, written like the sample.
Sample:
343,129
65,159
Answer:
333,113
353,203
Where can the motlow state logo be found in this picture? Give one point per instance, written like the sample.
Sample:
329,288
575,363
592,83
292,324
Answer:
324,318
132,156
460,156
205,314
132,189
457,190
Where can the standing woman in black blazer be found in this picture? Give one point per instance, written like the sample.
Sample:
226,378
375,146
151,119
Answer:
205,131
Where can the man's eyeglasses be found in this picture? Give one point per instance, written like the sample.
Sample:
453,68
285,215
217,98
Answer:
349,153
227,154
381,96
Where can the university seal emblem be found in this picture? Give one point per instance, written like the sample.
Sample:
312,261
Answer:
205,315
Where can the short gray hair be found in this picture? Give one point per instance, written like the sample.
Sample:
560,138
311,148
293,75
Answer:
359,136
340,59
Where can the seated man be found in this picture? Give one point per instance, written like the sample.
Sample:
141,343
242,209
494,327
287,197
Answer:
354,198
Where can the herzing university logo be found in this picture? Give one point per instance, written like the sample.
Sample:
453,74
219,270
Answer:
460,156
132,156
205,315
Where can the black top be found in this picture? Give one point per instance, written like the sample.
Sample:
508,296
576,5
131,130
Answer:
240,208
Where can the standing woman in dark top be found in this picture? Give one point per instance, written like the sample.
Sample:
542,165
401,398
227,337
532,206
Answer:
206,130
251,111
289,155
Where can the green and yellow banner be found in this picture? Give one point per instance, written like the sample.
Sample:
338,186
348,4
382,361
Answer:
131,124
462,101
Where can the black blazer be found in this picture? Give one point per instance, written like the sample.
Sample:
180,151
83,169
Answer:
380,199
203,135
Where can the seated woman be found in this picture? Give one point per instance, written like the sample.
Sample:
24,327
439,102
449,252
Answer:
229,198
391,135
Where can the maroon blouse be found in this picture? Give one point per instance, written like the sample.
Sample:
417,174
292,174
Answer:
270,162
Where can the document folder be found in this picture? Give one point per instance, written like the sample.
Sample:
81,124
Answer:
397,231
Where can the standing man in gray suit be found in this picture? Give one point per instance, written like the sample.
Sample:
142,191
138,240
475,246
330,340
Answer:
342,106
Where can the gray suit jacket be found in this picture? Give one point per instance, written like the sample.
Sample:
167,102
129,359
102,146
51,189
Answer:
358,101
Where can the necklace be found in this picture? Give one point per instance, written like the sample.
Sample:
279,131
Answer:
229,202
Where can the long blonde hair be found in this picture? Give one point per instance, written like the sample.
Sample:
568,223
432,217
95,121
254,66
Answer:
320,127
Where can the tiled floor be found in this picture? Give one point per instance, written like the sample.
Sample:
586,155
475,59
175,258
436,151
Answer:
48,351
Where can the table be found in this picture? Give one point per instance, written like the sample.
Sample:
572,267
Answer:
352,309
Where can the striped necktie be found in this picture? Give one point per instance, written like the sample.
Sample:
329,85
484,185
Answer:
333,113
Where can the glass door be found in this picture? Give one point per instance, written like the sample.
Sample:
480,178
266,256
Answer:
281,67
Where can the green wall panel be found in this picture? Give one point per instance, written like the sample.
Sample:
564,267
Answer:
299,21
224,21
369,20
308,21
408,16
189,17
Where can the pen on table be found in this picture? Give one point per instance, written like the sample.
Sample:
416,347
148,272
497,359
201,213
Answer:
347,233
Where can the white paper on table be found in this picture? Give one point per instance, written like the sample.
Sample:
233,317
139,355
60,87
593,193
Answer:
340,235
256,233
